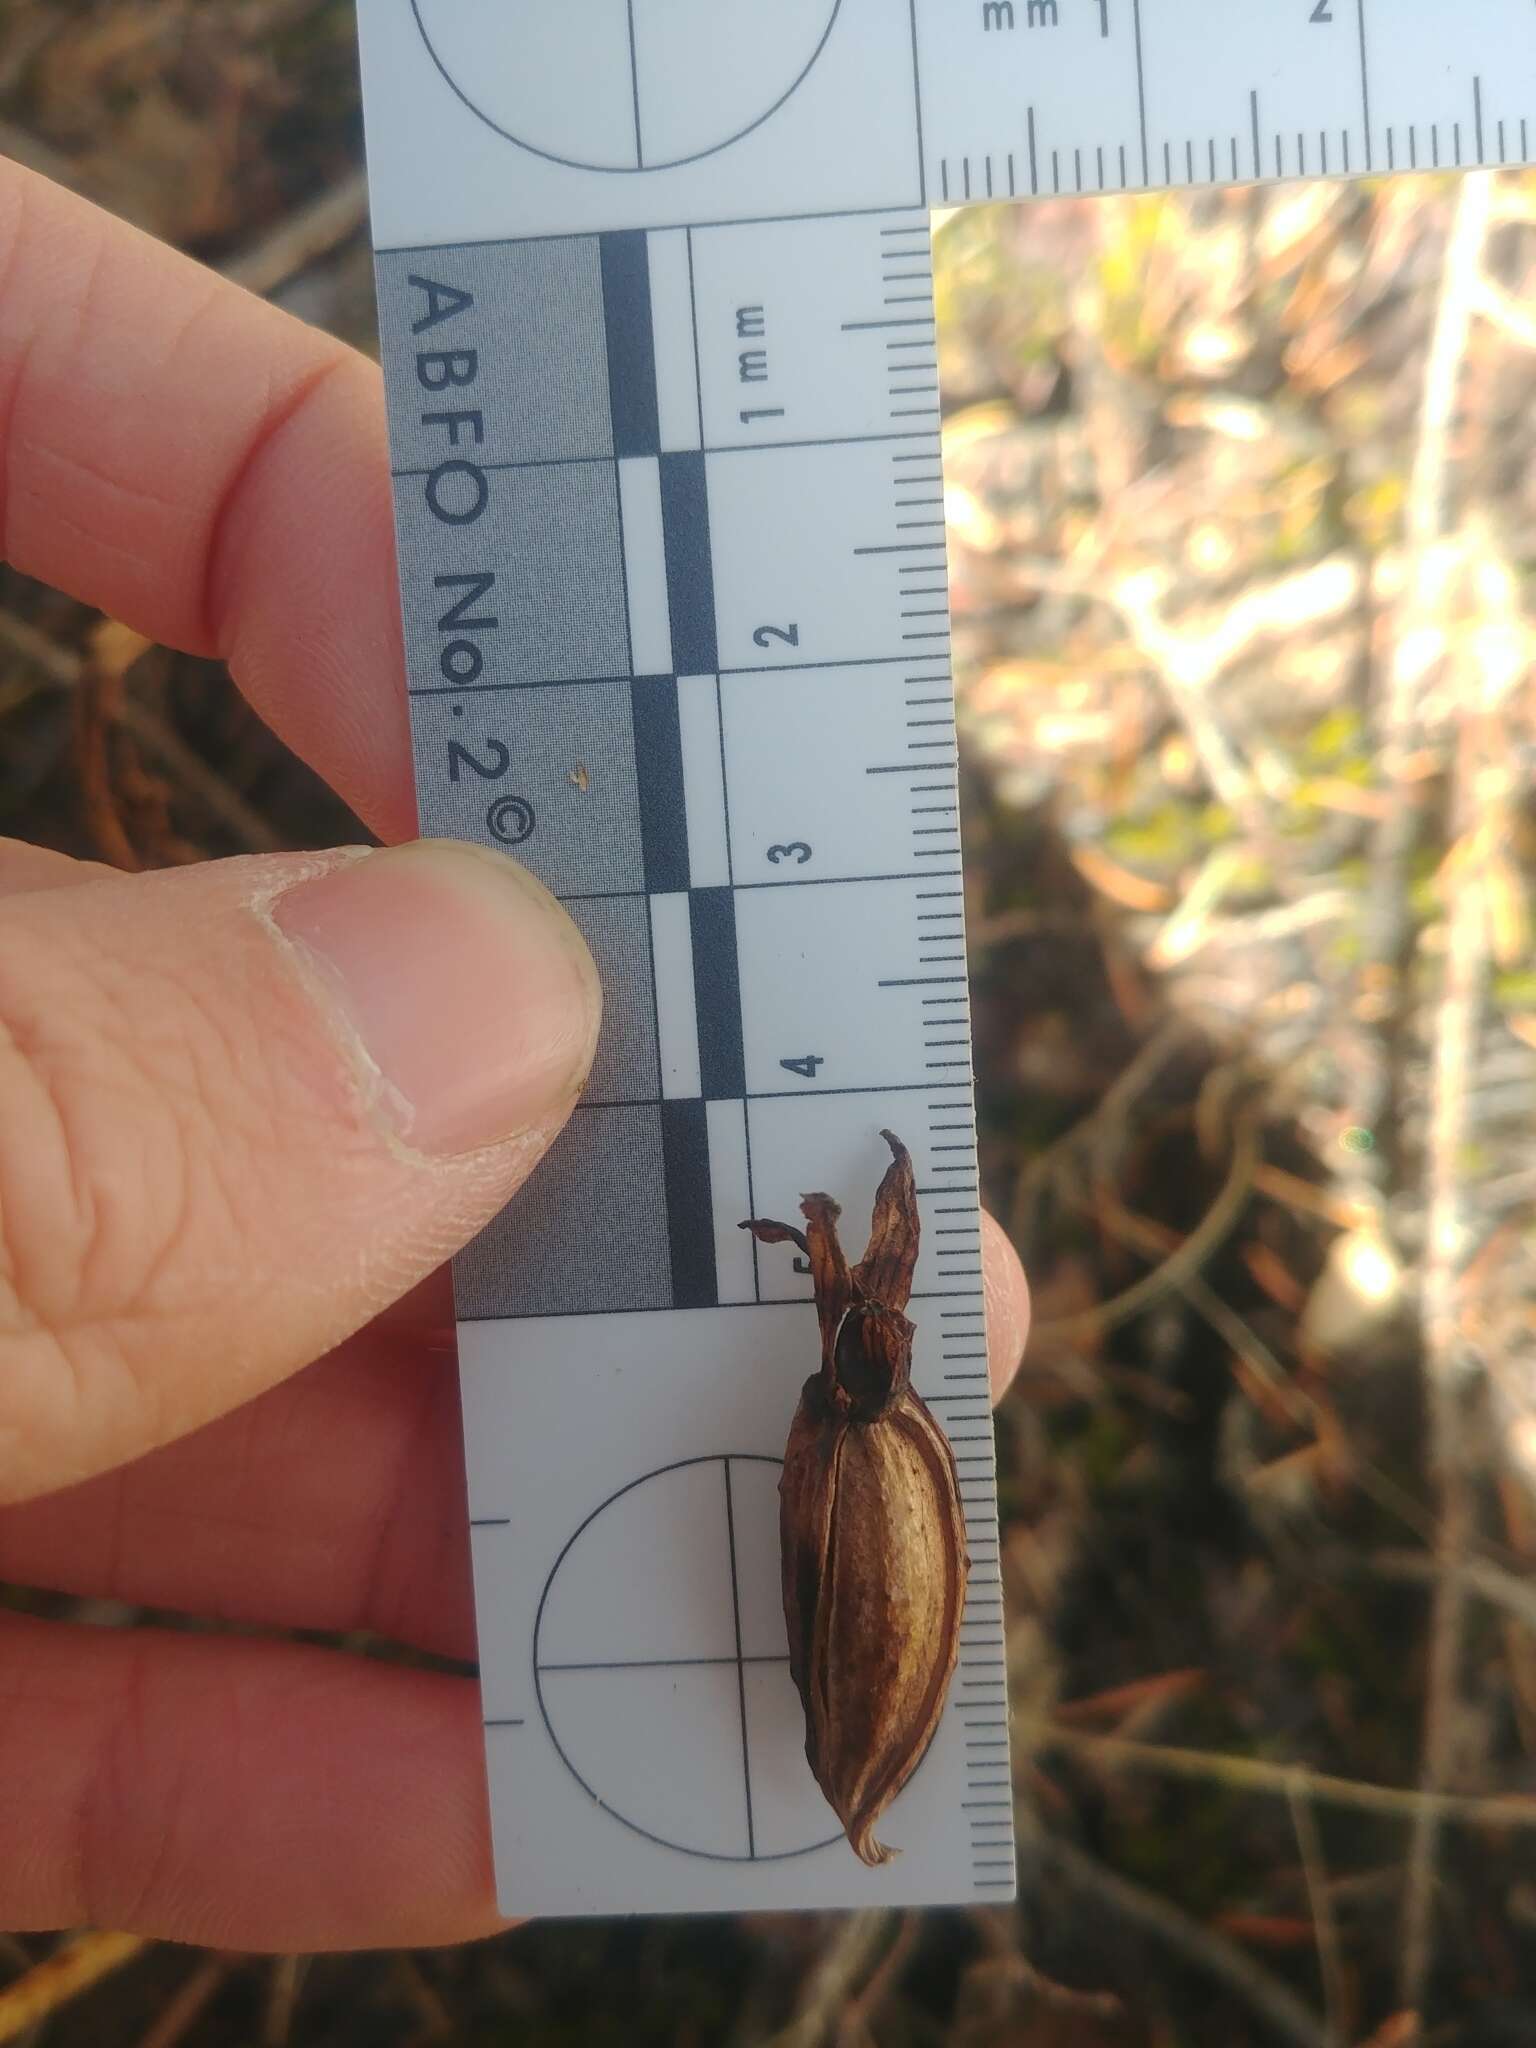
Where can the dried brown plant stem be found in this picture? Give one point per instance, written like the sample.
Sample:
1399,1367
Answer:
1451,1366
97,707
302,238
284,1983
1279,1781
1491,1582
67,1974
1325,1926
1181,1265
1176,1035
1213,1955
856,2028
1187,662
436,2020
182,2011
1388,925
846,1961
56,665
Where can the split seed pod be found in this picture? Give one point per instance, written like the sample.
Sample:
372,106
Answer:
871,1525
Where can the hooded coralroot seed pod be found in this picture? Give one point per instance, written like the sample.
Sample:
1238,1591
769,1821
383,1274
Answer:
871,1526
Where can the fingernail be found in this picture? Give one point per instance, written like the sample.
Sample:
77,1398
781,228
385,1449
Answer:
471,994
1006,1295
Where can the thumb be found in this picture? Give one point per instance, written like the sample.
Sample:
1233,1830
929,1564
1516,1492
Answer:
245,1106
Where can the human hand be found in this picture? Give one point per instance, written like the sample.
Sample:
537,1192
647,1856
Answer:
246,1111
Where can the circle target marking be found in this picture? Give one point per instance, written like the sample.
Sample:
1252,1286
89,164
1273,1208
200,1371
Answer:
625,85
625,1735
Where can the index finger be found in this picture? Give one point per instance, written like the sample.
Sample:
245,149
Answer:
209,470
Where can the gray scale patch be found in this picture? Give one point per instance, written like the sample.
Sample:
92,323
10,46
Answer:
618,930
536,327
589,1233
553,540
570,758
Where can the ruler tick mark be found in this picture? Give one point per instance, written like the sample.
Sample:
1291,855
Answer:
634,86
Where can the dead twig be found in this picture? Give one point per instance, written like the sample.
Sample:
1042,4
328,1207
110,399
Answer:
283,1988
1448,1364
856,2026
303,238
1182,1265
844,1963
998,1933
66,1976
1171,1037
1491,1582
56,665
1188,660
1209,1953
1280,1781
1325,1926
186,2007
97,707
1451,1364
1505,313
436,2020
1388,925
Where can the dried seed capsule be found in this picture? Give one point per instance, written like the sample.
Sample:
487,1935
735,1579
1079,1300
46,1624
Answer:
871,1525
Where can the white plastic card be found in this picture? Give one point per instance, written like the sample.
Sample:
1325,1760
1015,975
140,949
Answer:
657,323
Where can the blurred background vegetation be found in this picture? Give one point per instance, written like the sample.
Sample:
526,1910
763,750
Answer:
1243,521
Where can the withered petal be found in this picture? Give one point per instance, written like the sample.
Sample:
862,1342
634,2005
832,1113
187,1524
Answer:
775,1233
830,1277
885,1271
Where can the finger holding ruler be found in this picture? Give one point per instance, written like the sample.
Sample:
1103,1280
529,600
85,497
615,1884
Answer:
657,323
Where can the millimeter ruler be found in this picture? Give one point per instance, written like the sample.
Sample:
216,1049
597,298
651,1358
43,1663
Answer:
657,324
